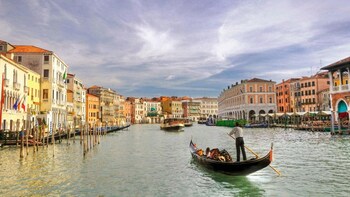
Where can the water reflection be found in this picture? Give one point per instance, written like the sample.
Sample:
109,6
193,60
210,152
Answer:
236,185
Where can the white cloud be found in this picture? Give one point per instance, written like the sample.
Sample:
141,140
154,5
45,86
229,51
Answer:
263,25
154,43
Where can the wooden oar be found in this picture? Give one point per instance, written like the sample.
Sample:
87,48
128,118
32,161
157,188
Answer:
257,156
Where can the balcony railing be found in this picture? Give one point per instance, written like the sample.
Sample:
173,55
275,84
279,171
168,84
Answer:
7,82
26,89
16,85
340,88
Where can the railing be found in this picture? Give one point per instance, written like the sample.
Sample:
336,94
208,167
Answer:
16,85
340,88
26,89
7,82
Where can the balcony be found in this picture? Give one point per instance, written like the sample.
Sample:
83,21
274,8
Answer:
16,85
26,89
7,82
340,88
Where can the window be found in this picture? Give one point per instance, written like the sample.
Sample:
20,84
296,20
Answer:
270,100
46,73
313,92
313,83
67,80
19,58
261,88
270,89
261,100
1,47
251,100
45,94
46,59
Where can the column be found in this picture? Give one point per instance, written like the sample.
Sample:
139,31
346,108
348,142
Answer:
340,79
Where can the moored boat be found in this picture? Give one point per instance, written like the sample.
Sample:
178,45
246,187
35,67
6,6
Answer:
202,120
172,124
187,122
230,167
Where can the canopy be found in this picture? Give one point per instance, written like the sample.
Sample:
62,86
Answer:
324,113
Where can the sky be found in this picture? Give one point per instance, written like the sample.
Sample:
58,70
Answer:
195,48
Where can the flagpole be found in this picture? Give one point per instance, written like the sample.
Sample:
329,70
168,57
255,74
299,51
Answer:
2,97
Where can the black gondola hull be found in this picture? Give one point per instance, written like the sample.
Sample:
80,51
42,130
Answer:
242,168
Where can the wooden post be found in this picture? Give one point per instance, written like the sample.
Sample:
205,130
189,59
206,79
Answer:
27,126
21,154
53,138
74,124
81,133
68,134
34,139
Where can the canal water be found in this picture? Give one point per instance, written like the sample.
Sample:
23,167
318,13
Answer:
146,161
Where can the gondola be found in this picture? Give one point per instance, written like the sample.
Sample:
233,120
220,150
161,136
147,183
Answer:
242,168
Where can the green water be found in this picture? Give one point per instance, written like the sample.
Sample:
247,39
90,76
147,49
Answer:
146,161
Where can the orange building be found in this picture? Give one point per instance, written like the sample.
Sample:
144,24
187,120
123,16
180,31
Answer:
92,109
284,96
309,87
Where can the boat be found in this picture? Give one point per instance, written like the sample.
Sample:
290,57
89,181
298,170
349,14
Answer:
202,120
256,125
187,122
241,168
172,124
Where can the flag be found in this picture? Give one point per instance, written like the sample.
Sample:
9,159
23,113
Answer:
65,75
24,103
16,104
19,103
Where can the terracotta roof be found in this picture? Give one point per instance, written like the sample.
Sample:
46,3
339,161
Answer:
2,42
258,80
337,64
28,49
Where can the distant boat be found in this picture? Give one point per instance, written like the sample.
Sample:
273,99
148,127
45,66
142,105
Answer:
202,120
172,124
256,125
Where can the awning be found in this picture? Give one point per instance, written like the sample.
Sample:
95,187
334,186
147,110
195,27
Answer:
324,113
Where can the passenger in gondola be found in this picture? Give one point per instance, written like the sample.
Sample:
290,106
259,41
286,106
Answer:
207,152
237,131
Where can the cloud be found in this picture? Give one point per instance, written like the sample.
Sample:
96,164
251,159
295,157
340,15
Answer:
172,47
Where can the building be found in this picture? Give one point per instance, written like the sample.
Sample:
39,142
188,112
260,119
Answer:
248,100
92,110
33,96
284,95
127,111
309,86
172,107
339,90
79,98
14,93
208,107
107,104
192,109
153,110
53,89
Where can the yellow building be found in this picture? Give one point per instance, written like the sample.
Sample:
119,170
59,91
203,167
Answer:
33,95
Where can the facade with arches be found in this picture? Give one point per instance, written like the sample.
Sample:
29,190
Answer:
250,100
339,90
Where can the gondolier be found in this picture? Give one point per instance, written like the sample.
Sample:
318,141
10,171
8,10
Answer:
237,131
